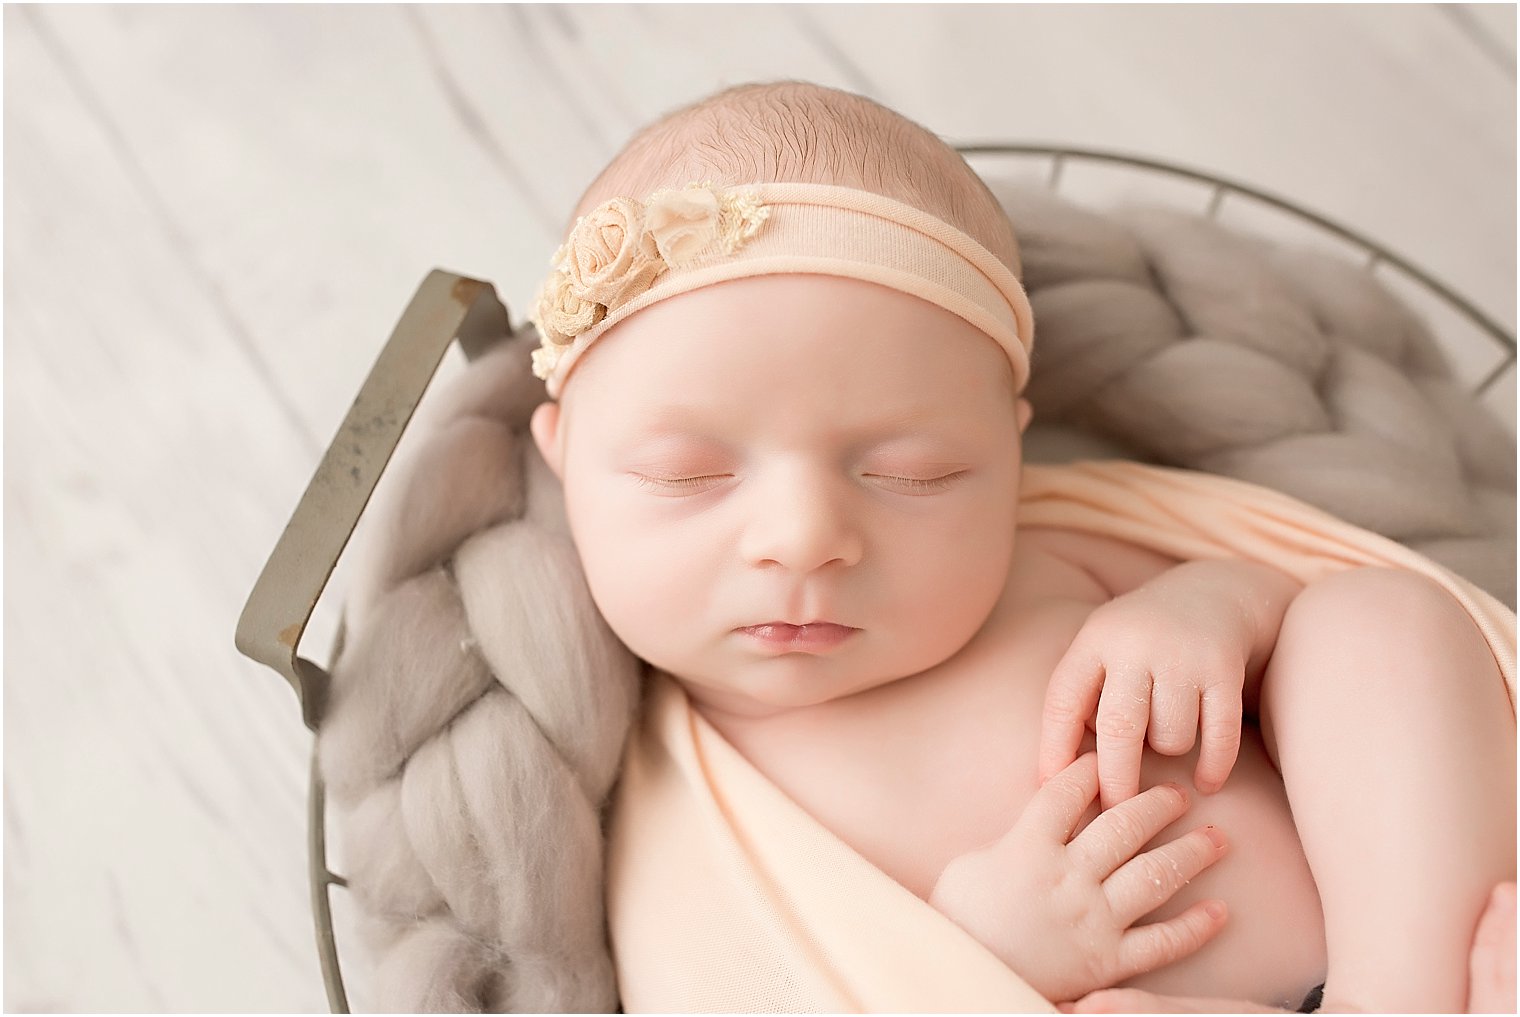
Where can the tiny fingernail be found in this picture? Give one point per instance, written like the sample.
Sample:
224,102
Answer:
1215,836
1215,909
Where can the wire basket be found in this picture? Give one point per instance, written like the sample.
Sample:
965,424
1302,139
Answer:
449,307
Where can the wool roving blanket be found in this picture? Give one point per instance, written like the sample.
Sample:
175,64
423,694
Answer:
724,895
1167,339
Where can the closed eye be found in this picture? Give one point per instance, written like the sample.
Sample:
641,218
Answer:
909,483
914,484
677,482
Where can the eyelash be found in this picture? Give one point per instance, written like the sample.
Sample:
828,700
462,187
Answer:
937,484
643,481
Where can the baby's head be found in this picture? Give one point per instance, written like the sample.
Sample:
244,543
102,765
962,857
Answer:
788,395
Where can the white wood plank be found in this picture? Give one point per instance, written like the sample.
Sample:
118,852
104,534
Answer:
701,48
154,781
322,159
1492,27
1500,397
1384,117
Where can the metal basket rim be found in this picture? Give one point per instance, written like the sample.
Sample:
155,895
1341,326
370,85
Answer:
1224,186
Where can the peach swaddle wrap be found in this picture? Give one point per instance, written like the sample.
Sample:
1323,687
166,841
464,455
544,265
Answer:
724,895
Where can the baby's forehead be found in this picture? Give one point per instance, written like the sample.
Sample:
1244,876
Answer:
718,392
725,410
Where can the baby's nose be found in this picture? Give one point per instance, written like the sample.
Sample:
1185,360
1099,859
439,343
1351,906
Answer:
803,526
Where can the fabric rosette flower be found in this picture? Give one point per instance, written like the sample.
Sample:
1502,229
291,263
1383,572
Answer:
545,358
561,314
609,258
683,223
618,249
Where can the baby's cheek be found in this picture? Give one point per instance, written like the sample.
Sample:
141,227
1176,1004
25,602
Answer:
941,603
639,587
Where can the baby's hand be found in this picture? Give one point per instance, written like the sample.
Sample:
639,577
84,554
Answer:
1059,913
1153,663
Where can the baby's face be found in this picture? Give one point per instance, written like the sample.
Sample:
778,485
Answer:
790,448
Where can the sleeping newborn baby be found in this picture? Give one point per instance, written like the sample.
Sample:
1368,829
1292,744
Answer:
787,344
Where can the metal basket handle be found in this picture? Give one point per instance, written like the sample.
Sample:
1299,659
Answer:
444,307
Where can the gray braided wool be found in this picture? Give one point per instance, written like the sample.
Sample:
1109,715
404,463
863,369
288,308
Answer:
477,718
480,704
1166,338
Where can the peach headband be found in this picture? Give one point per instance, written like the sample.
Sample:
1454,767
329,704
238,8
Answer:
625,255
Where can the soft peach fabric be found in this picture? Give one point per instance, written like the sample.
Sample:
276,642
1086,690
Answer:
827,230
723,895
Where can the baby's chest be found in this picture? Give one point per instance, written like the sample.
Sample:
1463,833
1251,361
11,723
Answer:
941,763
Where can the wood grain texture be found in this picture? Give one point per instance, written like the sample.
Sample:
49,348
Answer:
215,214
153,786
1491,27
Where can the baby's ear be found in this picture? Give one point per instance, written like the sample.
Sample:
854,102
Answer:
545,427
1024,412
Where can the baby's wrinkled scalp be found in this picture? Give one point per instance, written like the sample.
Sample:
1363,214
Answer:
795,131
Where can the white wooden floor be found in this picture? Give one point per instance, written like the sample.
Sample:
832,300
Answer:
214,215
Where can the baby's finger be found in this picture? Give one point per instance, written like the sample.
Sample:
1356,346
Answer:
1117,835
1152,946
1057,808
1070,699
1148,881
1174,717
1221,737
1123,713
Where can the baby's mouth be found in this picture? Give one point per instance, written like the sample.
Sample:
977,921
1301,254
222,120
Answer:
811,637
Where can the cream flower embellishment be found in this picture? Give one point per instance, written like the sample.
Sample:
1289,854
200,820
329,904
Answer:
544,360
618,249
562,314
687,223
683,223
609,258
743,215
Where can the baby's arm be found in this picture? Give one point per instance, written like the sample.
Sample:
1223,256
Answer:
1178,645
1058,908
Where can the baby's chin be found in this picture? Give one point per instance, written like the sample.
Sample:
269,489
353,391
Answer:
782,684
